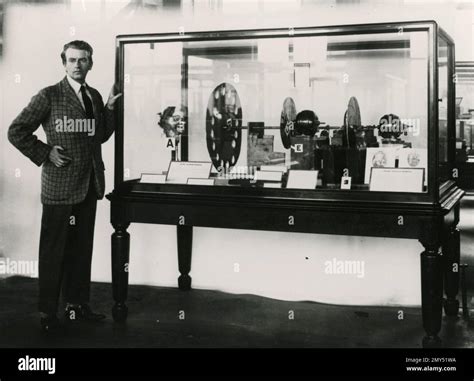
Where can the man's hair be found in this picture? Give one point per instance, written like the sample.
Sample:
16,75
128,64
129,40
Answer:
77,44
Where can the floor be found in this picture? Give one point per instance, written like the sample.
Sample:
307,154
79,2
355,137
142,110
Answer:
166,317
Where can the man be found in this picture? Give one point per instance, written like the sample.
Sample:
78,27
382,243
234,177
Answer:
76,123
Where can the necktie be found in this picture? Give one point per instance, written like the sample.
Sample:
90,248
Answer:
87,103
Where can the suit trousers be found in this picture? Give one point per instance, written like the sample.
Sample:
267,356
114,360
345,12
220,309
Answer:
65,252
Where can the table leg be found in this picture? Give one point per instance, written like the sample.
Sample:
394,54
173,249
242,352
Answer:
185,247
431,294
120,258
451,254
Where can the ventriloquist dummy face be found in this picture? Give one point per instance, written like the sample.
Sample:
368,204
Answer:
176,121
172,122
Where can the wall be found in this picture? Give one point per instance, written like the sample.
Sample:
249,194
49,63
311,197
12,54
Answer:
273,264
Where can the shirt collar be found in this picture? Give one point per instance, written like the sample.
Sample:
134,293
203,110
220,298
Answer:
76,86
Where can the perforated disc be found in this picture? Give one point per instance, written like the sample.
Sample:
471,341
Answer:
287,120
353,113
224,126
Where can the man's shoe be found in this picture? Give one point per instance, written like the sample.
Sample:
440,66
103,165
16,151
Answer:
82,312
51,325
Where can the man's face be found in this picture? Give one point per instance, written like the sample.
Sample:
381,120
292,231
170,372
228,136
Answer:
77,64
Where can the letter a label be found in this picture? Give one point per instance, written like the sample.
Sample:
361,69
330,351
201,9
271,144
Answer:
171,144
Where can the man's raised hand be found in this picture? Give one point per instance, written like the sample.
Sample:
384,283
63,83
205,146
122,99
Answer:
113,97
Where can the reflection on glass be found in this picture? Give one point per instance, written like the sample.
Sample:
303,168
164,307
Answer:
443,109
464,110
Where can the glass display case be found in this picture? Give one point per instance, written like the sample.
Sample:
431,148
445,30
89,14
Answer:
301,129
292,110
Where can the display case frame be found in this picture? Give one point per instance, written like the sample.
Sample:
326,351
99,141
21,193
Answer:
431,216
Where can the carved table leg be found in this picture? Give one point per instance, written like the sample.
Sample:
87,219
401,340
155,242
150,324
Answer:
185,247
451,254
431,294
120,258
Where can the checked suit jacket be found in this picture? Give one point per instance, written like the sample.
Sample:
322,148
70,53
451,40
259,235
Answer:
66,185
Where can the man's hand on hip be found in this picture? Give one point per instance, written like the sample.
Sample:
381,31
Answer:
57,158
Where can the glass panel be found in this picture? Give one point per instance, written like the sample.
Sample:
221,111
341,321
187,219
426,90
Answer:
443,110
152,79
296,112
464,110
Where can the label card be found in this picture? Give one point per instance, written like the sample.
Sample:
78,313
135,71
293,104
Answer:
152,178
171,144
272,185
274,168
200,181
397,180
180,171
267,176
302,179
346,182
